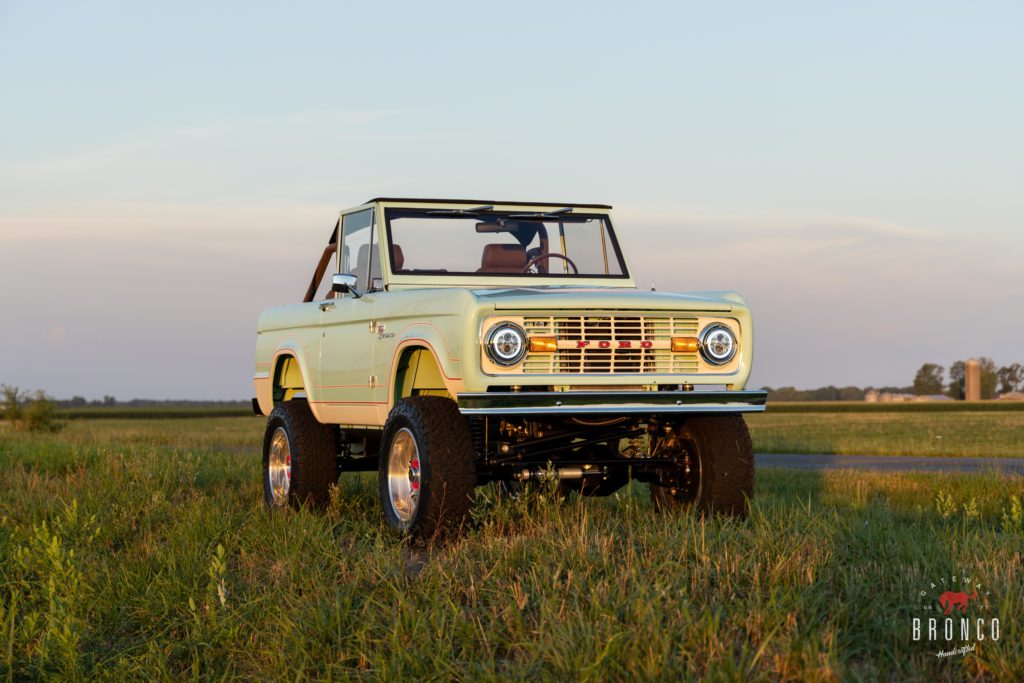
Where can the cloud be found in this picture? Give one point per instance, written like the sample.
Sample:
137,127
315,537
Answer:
304,155
195,142
106,224
55,335
868,299
816,240
165,142
776,222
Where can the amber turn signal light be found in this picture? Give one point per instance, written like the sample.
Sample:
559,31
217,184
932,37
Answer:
684,344
543,344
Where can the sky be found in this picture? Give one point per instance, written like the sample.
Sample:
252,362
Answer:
167,170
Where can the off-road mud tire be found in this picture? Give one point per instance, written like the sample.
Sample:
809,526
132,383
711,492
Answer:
726,459
447,467
314,457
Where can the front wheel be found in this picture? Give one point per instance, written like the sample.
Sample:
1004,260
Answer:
300,460
427,472
713,470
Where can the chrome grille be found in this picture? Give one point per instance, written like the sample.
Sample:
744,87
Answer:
614,329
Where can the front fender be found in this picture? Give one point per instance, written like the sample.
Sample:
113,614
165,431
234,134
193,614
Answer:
427,336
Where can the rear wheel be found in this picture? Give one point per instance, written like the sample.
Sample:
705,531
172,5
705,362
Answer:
427,470
300,461
714,469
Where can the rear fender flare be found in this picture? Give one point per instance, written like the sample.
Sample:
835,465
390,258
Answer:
280,357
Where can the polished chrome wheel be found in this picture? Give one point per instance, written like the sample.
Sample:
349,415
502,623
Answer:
279,466
426,469
404,475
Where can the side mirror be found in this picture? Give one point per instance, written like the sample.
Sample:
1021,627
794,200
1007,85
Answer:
344,283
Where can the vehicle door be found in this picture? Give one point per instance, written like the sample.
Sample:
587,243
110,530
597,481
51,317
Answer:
347,384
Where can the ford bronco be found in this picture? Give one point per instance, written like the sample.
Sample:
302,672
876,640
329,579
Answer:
447,344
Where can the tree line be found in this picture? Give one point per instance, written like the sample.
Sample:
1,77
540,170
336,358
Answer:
829,393
112,402
930,379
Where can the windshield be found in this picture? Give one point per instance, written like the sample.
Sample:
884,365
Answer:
502,243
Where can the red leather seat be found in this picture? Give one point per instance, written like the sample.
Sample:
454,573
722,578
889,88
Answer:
502,258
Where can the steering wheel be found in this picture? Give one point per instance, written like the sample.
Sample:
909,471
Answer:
532,262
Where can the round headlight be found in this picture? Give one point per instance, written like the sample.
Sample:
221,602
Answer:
717,344
506,344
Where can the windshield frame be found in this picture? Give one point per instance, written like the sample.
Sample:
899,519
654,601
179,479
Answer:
455,278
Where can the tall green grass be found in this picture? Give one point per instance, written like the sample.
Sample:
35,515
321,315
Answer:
985,434
909,407
152,412
133,550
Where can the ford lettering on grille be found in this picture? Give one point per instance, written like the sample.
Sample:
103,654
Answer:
611,344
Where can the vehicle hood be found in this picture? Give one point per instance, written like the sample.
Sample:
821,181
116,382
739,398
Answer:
570,298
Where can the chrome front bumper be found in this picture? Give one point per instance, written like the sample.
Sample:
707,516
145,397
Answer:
611,402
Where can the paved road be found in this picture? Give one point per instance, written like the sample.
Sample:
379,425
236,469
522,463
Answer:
890,463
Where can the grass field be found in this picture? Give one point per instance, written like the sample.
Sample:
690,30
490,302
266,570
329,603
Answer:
153,412
134,549
937,433
986,429
908,407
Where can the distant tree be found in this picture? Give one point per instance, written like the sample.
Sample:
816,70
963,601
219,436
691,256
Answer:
1010,378
41,414
829,393
784,394
37,413
956,380
851,394
13,400
77,402
109,400
928,379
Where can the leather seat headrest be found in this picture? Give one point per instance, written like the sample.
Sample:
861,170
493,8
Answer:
502,258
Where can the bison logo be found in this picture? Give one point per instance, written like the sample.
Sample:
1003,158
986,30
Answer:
949,601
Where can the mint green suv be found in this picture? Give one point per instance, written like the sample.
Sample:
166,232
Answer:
448,343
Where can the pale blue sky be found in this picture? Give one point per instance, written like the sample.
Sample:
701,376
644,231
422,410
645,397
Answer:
854,169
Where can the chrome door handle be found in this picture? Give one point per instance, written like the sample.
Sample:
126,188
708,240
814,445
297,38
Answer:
327,304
